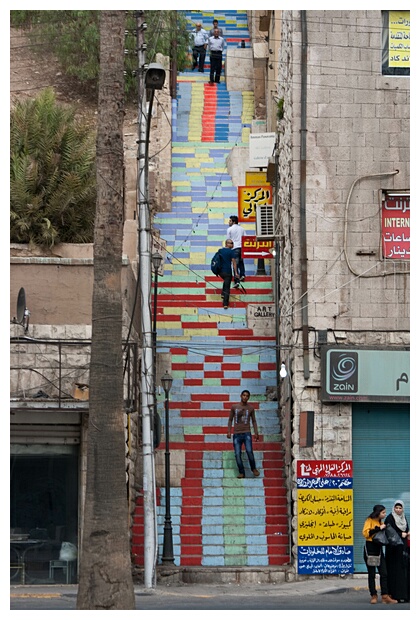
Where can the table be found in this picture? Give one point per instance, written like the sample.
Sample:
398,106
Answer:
19,547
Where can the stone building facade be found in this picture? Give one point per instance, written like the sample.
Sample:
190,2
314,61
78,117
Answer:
342,152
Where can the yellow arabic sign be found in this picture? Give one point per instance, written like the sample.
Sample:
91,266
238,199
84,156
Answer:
325,517
255,178
249,196
399,38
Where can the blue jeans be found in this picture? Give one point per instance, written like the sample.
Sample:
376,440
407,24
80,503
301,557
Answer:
238,440
240,265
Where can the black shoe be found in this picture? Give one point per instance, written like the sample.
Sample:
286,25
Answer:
242,278
225,307
201,70
236,285
211,82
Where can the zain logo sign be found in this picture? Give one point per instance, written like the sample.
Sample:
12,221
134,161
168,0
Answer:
344,372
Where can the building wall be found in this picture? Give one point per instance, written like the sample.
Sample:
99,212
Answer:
357,136
58,287
53,355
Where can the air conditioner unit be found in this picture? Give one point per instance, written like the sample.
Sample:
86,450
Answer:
265,221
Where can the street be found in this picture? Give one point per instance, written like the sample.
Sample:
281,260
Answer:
228,599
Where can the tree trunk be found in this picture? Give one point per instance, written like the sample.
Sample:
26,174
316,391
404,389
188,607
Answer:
105,569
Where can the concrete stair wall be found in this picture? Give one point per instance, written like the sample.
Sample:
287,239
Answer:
218,520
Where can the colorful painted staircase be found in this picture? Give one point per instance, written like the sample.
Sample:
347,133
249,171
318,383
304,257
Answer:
218,519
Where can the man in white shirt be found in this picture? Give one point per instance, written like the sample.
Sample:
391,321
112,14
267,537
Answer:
216,47
236,232
200,41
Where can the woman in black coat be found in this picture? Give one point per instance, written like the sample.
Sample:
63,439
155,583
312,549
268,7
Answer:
397,558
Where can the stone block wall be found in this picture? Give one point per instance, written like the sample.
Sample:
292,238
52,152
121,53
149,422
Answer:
357,145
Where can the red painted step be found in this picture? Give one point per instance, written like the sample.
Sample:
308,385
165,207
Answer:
209,113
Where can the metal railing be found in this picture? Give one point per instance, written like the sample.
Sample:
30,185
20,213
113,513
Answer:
58,370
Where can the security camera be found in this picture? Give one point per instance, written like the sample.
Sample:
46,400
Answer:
155,76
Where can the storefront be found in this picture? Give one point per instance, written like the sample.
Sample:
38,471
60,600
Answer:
44,496
376,383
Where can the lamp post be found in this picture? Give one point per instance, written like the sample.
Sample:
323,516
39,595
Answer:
156,262
168,549
151,77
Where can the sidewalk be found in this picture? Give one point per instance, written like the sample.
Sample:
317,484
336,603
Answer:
314,585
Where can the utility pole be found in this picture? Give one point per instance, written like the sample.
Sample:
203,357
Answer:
145,275
174,45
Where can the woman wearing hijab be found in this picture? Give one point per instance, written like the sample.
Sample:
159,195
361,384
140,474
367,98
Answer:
372,525
397,557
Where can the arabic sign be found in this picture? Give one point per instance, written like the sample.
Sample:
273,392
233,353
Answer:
254,177
255,248
249,196
364,375
325,517
396,227
399,39
325,469
261,146
325,560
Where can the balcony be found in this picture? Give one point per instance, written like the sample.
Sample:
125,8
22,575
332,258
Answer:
54,374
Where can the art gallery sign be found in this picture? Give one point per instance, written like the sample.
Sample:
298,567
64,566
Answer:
261,319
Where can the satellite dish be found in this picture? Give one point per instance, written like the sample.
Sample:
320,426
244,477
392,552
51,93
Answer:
21,306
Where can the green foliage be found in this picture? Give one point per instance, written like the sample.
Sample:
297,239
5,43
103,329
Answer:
73,37
52,174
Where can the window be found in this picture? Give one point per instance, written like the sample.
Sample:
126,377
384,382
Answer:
395,42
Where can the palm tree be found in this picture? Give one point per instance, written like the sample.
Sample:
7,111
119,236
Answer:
52,174
105,567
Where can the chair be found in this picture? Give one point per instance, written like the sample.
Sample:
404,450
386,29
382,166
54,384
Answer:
65,565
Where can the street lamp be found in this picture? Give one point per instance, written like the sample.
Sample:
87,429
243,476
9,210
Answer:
168,548
156,262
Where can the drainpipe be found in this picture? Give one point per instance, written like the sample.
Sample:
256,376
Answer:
303,243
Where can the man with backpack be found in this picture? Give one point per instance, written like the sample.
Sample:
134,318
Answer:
226,260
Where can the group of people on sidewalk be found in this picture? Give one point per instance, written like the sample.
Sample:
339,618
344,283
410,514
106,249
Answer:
214,41
394,564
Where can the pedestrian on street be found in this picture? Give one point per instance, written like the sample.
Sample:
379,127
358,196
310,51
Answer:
374,523
216,47
236,232
241,415
216,25
397,558
228,260
199,47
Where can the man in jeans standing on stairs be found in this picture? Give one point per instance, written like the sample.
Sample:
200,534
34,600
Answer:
241,415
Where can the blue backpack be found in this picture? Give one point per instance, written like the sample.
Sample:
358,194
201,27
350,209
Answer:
216,263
